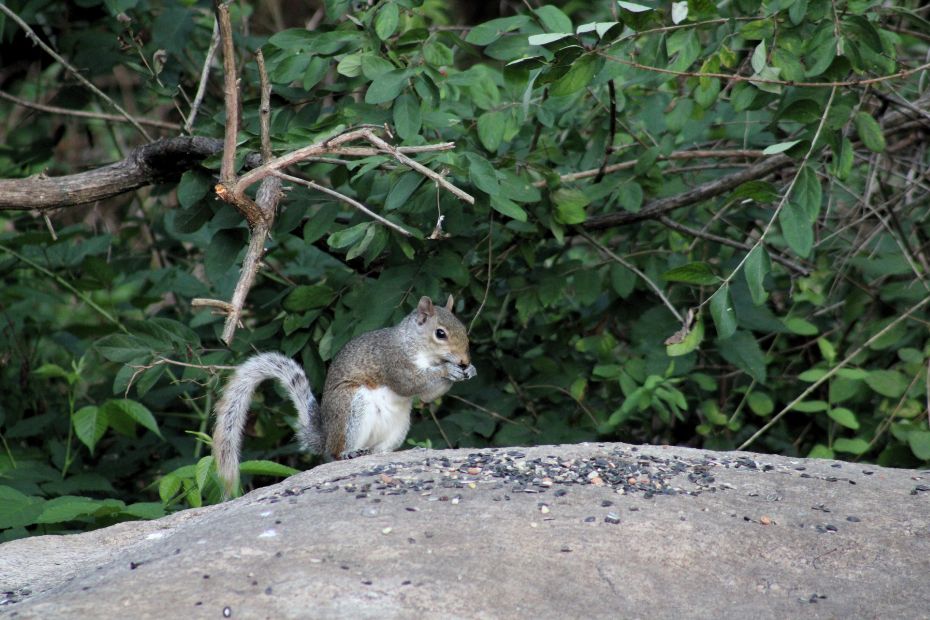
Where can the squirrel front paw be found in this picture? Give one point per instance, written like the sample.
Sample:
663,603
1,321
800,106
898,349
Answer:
456,372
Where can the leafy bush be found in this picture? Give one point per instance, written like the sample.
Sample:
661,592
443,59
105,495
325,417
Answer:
694,225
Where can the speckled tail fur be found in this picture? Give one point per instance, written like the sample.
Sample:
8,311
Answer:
233,407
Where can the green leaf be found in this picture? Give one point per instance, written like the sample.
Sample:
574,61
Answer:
759,57
553,19
579,76
507,207
307,297
18,509
811,406
820,451
633,7
267,468
407,120
919,441
491,129
870,132
851,446
402,190
760,403
348,236
386,87
350,65
122,348
67,508
569,205
135,411
755,269
890,383
630,196
807,193
386,20
692,273
690,342
90,423
781,147
721,310
844,417
797,229
800,327
202,471
490,31
742,350
168,487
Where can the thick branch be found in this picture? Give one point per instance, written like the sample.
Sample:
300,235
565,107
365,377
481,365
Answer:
160,161
704,191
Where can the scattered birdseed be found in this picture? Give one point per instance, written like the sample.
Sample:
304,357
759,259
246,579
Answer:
612,517
227,612
853,519
387,530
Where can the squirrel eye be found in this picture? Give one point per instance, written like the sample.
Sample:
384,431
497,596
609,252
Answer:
441,334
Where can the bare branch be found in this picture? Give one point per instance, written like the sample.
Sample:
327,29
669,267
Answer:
704,191
158,162
335,145
101,116
64,63
607,252
346,199
204,76
691,154
694,232
230,93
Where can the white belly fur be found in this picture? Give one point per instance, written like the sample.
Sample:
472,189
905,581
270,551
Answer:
386,421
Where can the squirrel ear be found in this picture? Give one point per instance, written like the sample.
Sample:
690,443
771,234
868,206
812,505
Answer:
449,303
425,310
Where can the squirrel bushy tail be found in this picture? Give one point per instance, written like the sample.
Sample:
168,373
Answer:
233,407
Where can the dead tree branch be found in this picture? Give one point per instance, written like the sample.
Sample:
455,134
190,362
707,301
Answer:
158,162
660,207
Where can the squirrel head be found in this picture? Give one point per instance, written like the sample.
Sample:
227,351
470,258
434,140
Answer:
443,335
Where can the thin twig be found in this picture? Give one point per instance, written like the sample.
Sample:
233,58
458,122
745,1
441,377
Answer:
781,203
101,116
694,195
80,294
336,145
778,258
32,35
816,384
493,414
612,133
204,76
264,110
690,154
346,199
487,285
442,432
735,77
435,176
605,250
568,393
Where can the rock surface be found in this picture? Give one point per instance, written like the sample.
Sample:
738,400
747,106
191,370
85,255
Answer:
586,531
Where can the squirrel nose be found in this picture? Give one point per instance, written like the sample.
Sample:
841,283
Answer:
465,362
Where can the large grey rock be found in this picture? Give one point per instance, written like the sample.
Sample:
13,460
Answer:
481,534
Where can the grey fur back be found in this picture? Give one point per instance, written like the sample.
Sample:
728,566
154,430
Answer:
233,407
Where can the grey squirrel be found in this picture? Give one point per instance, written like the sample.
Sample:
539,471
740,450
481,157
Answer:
368,393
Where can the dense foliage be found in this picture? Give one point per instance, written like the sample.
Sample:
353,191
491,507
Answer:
619,304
